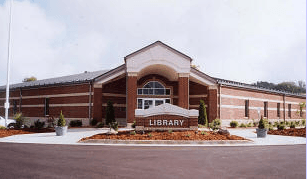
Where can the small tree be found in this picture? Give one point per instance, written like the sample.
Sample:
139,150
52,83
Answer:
61,121
215,124
32,78
262,123
202,114
110,116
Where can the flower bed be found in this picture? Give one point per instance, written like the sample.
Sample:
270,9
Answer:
10,132
180,135
289,132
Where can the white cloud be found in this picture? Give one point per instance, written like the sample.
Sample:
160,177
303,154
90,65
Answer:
237,40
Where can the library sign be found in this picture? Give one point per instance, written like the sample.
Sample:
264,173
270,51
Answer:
166,116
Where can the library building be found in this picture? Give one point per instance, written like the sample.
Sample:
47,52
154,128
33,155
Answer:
156,86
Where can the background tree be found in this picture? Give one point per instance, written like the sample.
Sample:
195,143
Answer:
110,116
290,87
202,114
32,78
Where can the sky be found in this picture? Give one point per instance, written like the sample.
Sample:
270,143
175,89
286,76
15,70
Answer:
245,41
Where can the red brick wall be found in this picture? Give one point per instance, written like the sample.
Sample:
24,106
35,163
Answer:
212,101
131,97
234,104
183,92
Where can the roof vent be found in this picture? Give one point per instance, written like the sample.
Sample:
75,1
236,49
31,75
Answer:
85,71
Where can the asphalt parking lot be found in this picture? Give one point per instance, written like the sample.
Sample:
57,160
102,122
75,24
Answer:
80,161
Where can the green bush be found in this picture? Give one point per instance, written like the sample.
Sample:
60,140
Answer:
149,135
215,124
100,125
61,121
203,133
262,124
170,131
202,114
304,122
94,122
292,124
275,124
242,125
249,125
132,133
110,116
270,127
201,126
38,124
114,125
281,126
297,123
234,124
75,123
2,127
133,124
288,123
19,120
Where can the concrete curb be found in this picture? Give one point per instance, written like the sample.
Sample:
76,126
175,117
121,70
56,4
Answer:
167,142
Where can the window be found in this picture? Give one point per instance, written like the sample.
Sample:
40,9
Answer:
278,109
246,108
153,88
265,109
46,106
145,103
289,110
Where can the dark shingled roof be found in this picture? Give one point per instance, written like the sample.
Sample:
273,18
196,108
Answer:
253,87
77,78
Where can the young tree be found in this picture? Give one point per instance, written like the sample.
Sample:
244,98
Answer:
110,116
202,114
32,78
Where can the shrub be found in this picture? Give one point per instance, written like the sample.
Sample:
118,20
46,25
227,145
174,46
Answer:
61,121
270,127
292,124
234,124
114,125
215,124
281,126
188,135
275,124
170,131
110,116
100,125
132,133
304,122
75,123
242,125
202,117
203,133
2,127
133,124
19,120
288,123
201,126
149,135
297,123
262,124
249,125
38,124
94,122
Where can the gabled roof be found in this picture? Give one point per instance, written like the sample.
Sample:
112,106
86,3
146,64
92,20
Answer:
158,43
77,78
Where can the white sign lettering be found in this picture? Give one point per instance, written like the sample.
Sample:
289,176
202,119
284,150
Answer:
165,122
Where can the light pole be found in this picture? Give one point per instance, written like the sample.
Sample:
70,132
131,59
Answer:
7,103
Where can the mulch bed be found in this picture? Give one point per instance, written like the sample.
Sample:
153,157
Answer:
180,135
289,132
10,132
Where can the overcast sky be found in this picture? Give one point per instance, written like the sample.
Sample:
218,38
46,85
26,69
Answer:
241,40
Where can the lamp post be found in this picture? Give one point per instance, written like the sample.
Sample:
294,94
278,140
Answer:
7,104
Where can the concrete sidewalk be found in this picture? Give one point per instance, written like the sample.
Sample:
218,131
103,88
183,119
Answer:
74,135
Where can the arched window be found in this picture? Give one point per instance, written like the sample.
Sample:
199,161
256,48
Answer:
153,88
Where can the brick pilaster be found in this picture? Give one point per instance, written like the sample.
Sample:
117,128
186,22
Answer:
212,106
131,97
97,106
183,91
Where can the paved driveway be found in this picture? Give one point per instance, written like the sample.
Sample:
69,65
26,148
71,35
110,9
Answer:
75,161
